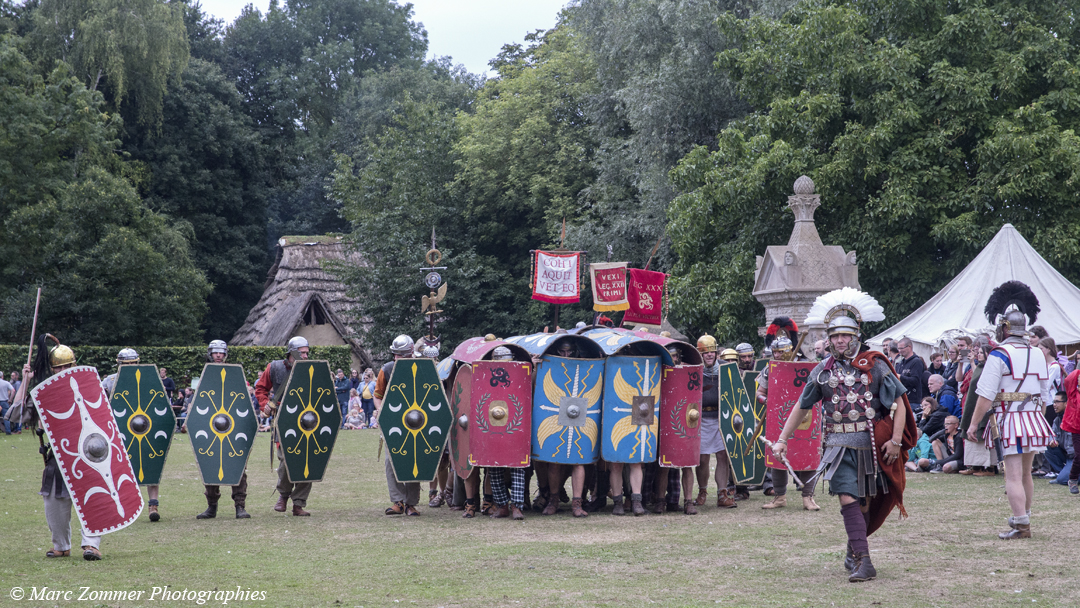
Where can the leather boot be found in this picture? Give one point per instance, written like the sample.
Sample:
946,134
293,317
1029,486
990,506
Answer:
516,514
500,512
864,570
849,559
689,508
241,513
778,502
282,503
809,504
1017,531
541,501
659,507
552,505
209,513
598,503
619,508
575,506
154,515
725,500
299,511
636,506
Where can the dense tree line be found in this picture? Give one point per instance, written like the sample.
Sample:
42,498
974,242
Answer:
151,155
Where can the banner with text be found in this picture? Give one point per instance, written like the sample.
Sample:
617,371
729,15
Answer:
609,286
555,277
646,297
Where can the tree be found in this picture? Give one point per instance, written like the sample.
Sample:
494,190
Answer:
129,49
924,126
71,222
206,169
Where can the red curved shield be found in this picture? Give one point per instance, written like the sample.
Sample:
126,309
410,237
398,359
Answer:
786,382
74,411
680,416
461,406
499,433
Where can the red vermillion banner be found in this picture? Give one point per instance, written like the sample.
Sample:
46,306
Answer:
609,286
555,277
646,297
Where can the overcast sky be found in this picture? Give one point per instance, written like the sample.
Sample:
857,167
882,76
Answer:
470,31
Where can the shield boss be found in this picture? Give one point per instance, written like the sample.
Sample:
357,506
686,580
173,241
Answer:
414,420
221,423
308,421
643,410
572,411
139,424
96,447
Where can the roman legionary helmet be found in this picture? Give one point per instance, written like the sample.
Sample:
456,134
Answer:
781,324
217,346
1010,308
744,349
402,346
501,353
295,344
59,354
729,354
782,349
127,356
842,312
706,344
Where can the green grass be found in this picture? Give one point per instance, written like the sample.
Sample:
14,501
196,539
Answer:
349,554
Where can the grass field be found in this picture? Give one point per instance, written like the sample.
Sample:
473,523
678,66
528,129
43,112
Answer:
349,554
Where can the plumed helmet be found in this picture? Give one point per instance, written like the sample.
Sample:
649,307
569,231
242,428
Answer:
402,346
706,344
61,355
842,312
729,354
843,325
295,344
744,348
779,327
781,346
217,346
501,353
1011,306
127,355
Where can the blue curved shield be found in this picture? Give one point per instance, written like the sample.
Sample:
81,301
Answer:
631,408
566,410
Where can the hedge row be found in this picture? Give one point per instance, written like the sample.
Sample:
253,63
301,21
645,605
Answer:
182,362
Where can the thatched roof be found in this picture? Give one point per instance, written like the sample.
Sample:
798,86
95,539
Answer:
299,291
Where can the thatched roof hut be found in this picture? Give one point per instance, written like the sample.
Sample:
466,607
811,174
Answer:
301,298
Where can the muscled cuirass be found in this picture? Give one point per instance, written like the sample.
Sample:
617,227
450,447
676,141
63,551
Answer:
849,395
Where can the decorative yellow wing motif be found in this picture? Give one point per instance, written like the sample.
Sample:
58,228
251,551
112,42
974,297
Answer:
593,395
621,429
589,430
624,391
548,427
552,391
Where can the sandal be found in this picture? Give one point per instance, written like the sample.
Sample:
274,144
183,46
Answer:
54,552
91,554
702,496
395,509
411,510
470,511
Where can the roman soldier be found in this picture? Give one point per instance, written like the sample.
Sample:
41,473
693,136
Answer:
218,352
1011,387
404,496
268,392
712,442
783,350
745,354
869,423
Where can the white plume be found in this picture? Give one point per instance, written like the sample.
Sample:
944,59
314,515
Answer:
867,306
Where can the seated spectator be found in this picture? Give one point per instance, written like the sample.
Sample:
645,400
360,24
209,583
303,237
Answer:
948,447
355,419
921,457
932,417
944,394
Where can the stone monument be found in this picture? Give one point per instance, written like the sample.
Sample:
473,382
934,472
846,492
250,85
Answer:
790,277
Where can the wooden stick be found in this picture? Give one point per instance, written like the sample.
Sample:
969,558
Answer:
654,249
33,328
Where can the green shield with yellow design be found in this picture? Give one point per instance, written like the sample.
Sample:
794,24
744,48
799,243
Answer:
308,420
737,423
222,423
415,419
145,420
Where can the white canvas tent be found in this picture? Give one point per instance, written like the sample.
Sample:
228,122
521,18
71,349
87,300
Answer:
1008,256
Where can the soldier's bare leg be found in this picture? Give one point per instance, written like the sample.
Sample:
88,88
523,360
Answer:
1018,483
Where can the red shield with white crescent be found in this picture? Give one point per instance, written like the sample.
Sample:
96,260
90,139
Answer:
680,416
499,434
74,411
787,379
